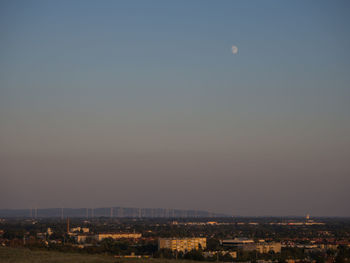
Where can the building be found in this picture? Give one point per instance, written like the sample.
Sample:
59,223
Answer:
49,231
237,242
249,245
263,247
81,238
182,244
100,237
80,229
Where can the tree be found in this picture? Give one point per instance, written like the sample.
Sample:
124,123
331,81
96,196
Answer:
194,255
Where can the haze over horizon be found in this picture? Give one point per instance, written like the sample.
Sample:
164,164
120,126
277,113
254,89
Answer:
237,107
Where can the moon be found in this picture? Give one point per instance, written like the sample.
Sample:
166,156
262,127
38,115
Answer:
234,50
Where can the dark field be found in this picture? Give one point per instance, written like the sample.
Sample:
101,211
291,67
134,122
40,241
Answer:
19,255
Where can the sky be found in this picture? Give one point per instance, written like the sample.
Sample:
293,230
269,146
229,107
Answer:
237,107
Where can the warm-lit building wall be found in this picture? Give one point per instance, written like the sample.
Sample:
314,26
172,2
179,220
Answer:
266,248
100,237
263,247
182,244
81,238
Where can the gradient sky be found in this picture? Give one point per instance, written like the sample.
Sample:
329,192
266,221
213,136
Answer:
143,104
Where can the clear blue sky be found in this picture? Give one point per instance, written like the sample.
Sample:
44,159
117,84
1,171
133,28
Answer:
117,96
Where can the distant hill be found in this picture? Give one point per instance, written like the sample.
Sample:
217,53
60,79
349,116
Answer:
108,212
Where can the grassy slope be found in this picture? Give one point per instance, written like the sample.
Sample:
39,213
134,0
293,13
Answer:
18,255
13,255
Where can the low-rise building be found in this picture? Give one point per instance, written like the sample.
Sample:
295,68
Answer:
80,229
237,242
182,244
100,237
249,245
264,247
49,231
81,238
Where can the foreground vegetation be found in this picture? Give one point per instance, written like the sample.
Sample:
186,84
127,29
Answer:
22,255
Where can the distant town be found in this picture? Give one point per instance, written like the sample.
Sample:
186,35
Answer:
164,235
